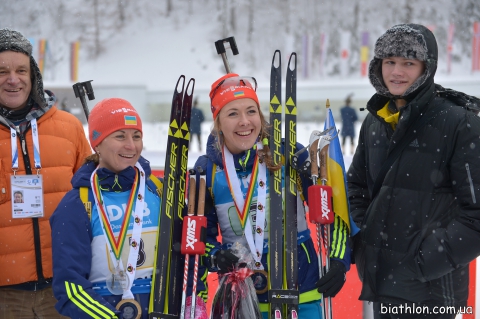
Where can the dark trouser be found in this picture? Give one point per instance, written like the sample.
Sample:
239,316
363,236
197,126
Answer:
26,304
410,311
199,137
344,139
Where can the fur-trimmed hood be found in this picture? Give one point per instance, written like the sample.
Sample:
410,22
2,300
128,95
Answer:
411,41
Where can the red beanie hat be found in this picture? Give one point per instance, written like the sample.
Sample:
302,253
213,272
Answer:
231,87
110,115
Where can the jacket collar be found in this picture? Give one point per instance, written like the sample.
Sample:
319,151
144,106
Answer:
243,161
109,181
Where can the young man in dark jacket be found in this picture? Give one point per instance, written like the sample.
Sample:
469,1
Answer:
414,183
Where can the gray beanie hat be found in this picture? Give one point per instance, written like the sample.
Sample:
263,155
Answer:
11,40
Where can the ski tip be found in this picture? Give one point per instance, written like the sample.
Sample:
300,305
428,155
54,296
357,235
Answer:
328,104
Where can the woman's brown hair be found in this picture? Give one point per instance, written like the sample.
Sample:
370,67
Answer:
92,158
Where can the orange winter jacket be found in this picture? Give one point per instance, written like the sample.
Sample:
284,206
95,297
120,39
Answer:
25,243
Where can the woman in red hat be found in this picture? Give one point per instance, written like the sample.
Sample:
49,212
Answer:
104,231
236,164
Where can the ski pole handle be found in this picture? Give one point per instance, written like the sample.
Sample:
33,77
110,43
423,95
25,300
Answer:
194,226
220,46
320,196
191,192
191,212
323,164
320,204
82,88
313,160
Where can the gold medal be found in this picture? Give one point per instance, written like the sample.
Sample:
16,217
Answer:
130,309
260,281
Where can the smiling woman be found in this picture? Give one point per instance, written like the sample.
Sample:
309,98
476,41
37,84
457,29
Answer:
115,131
237,165
113,214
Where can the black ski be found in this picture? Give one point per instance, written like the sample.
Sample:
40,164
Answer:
177,259
290,229
275,242
167,278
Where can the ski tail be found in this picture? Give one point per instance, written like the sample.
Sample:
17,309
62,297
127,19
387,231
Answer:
290,229
276,206
160,276
177,258
165,299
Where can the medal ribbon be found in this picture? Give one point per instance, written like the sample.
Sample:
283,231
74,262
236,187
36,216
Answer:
115,244
234,186
258,181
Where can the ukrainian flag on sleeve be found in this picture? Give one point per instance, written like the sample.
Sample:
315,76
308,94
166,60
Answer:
337,178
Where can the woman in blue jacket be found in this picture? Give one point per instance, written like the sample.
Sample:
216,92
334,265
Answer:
104,231
242,213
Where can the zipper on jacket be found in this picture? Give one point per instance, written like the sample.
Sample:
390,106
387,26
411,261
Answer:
36,228
472,190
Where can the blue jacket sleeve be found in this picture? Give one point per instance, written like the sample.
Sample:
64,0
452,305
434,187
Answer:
72,256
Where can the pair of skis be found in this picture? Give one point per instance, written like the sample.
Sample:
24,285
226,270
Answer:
283,268
165,300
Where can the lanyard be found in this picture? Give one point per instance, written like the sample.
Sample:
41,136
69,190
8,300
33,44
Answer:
116,246
36,146
257,181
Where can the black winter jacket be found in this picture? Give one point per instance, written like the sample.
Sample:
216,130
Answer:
422,229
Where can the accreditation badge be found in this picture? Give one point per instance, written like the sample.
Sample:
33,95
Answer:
27,196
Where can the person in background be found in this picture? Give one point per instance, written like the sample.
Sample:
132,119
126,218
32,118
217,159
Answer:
196,121
414,183
235,146
41,146
104,231
349,117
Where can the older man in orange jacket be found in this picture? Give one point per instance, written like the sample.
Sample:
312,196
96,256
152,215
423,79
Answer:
41,147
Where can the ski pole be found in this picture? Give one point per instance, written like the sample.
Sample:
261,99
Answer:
200,214
319,207
82,88
220,46
191,212
325,222
193,234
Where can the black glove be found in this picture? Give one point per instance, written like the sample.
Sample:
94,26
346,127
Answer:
333,281
225,261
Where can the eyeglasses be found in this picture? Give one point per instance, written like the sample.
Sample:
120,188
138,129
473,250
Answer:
236,81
